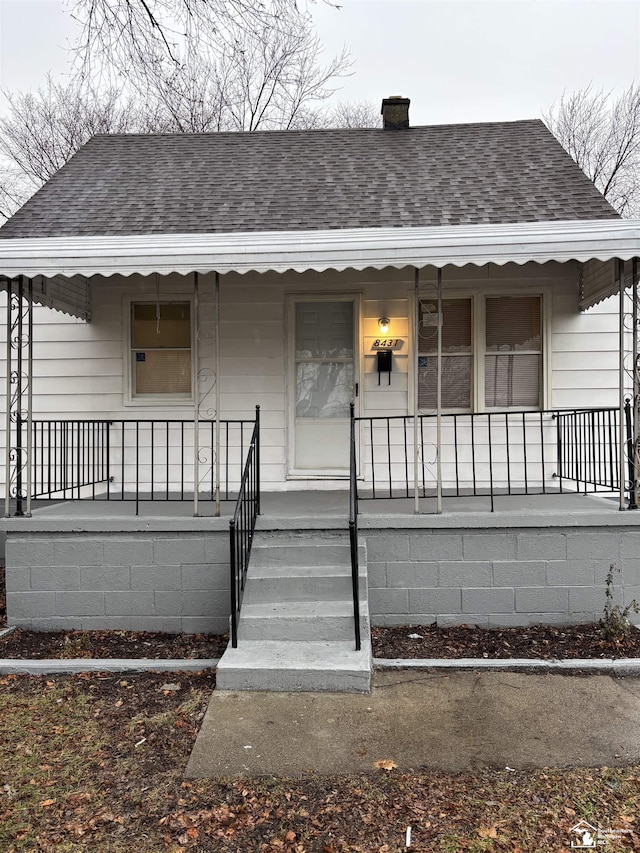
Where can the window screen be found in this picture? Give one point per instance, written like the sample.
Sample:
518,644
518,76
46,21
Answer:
513,356
457,354
161,349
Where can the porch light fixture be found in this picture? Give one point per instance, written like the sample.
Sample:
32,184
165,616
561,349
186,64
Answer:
383,325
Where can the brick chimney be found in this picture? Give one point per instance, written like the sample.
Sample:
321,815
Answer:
395,112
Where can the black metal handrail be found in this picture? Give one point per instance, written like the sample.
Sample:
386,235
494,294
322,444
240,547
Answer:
135,460
242,527
489,453
353,530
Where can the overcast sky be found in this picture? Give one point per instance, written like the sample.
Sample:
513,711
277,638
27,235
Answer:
458,60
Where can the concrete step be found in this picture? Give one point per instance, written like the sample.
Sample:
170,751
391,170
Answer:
296,628
290,550
300,583
296,666
298,620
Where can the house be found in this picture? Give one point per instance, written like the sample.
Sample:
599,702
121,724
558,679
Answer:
458,285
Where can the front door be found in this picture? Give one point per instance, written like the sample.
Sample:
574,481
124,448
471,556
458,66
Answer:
322,385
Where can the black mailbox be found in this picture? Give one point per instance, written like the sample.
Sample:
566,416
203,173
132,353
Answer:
385,363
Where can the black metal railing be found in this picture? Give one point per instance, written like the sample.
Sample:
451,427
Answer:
588,449
136,460
490,453
633,468
69,458
353,529
242,526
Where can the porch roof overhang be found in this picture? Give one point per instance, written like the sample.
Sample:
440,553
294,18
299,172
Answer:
301,251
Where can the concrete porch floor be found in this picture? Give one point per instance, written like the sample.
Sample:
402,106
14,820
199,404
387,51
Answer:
330,509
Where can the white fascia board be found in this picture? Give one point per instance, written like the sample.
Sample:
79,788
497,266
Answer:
338,249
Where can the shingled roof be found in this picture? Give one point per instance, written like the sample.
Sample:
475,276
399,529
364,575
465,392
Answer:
311,179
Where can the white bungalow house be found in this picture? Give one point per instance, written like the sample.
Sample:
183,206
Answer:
455,285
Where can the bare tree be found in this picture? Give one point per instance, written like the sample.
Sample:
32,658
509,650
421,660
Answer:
40,132
602,134
13,190
261,78
256,79
354,114
121,34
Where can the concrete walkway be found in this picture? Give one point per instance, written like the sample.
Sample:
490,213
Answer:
424,720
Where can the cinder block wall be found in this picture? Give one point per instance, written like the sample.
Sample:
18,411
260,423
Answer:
169,582
178,581
498,577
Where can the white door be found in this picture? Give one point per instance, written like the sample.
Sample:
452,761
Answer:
323,380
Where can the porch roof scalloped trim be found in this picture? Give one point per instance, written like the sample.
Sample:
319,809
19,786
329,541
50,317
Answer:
339,249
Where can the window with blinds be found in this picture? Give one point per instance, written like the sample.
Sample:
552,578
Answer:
513,351
457,355
161,349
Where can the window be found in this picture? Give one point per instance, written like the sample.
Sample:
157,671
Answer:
161,350
508,336
457,355
513,352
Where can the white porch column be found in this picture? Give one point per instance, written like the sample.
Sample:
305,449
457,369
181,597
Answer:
622,455
206,462
217,376
196,393
429,295
635,295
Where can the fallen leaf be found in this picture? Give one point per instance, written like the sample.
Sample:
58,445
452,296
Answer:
487,832
192,832
385,764
46,803
290,836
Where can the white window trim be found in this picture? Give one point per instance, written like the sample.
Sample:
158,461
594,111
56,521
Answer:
155,400
478,296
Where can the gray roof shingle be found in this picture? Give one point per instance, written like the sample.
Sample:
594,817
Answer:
311,179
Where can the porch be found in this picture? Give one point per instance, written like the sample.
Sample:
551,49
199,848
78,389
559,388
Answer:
517,520
329,507
535,558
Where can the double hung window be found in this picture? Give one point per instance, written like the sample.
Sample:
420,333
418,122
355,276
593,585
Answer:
457,355
513,352
491,353
161,351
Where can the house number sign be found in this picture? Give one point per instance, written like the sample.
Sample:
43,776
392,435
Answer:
387,343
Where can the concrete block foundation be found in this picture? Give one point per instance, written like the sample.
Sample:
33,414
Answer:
500,576
137,580
173,574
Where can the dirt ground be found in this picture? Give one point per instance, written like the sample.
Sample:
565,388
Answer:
423,641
